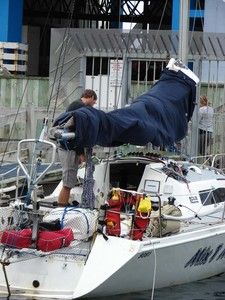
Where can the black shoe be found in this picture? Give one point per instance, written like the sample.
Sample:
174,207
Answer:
74,204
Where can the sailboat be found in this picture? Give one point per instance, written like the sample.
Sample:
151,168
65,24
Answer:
142,221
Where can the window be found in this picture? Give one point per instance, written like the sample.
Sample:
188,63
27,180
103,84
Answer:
210,197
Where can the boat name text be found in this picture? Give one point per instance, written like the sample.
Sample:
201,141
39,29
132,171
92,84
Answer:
206,255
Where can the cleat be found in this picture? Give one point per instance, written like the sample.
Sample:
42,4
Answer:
177,65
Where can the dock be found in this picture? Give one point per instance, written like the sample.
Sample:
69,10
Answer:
12,177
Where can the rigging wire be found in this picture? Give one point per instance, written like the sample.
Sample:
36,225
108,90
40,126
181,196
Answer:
37,165
198,4
66,41
117,103
155,40
45,121
25,88
34,167
129,40
118,96
125,55
14,122
46,21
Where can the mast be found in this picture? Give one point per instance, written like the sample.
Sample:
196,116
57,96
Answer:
184,30
183,55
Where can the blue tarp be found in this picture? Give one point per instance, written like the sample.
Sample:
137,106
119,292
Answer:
159,116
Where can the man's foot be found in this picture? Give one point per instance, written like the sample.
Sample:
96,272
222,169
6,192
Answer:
74,204
177,65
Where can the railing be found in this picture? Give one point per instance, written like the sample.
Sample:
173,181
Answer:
212,160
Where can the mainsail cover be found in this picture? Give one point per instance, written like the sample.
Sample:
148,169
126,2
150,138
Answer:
159,116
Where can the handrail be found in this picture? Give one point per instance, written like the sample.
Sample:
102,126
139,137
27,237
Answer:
211,158
41,142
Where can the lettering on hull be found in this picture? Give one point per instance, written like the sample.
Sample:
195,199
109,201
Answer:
206,255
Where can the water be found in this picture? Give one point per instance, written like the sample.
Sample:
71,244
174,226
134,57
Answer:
207,289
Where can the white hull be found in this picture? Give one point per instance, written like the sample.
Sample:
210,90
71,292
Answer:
155,264
137,266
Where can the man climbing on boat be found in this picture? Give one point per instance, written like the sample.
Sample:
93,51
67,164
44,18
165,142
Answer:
71,157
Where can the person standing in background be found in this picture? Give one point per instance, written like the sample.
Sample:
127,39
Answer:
205,124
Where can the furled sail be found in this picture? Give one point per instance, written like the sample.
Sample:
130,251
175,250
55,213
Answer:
159,116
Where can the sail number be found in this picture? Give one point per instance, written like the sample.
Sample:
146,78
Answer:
144,254
193,199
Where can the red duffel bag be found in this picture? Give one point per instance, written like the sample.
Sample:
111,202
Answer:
52,240
19,239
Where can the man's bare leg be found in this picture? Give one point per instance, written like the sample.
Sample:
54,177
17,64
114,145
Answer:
64,195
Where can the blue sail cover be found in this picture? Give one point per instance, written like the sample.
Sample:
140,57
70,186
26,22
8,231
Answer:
159,116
